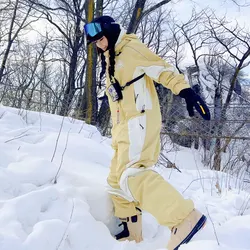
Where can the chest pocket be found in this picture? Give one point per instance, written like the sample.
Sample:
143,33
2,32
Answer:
134,96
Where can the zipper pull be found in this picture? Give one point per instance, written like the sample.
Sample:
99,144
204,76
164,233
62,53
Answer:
118,116
143,109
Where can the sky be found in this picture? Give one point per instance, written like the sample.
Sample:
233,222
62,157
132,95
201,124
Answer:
232,11
221,7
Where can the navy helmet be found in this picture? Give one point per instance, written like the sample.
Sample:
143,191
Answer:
102,26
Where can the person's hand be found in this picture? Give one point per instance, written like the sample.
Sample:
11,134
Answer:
193,100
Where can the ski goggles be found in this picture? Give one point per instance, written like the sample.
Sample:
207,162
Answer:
92,29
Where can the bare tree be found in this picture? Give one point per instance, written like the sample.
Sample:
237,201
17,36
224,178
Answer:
88,101
19,20
220,53
28,63
67,17
175,45
235,42
231,43
241,3
139,13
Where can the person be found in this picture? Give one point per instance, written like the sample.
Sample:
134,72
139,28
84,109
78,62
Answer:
133,183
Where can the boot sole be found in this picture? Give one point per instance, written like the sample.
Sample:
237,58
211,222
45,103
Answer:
200,224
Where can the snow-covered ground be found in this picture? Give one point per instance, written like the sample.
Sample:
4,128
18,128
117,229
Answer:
75,213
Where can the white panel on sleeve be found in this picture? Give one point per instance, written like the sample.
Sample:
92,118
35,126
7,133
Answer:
155,71
142,96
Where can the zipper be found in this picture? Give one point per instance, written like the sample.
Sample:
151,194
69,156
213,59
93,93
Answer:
118,115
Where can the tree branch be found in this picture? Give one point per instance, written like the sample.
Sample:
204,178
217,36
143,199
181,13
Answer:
233,82
158,5
45,7
49,18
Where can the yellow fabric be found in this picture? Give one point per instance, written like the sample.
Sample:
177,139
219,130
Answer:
159,198
123,208
137,121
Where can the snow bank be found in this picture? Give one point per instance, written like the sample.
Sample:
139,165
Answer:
76,213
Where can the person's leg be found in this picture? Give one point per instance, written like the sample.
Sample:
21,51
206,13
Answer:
159,198
168,206
124,208
137,146
123,205
184,232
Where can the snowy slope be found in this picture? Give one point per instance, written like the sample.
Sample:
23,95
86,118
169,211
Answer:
76,212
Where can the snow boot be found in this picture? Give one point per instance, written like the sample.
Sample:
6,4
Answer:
184,232
132,228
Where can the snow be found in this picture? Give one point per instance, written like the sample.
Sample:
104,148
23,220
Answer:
75,212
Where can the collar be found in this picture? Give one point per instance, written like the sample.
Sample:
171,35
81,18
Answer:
122,33
119,43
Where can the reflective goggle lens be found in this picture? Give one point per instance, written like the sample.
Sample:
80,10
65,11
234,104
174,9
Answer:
92,29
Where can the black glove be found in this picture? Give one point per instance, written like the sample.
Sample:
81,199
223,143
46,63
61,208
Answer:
194,100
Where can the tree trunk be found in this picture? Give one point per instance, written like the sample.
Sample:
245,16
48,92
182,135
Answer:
136,16
10,41
217,128
99,8
103,118
88,107
217,155
6,55
139,13
70,89
12,34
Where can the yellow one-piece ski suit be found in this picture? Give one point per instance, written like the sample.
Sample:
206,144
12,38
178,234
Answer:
136,135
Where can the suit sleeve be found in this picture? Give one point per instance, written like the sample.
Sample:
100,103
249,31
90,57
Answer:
156,68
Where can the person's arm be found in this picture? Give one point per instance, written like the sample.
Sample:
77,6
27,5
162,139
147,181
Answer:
160,71
157,68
